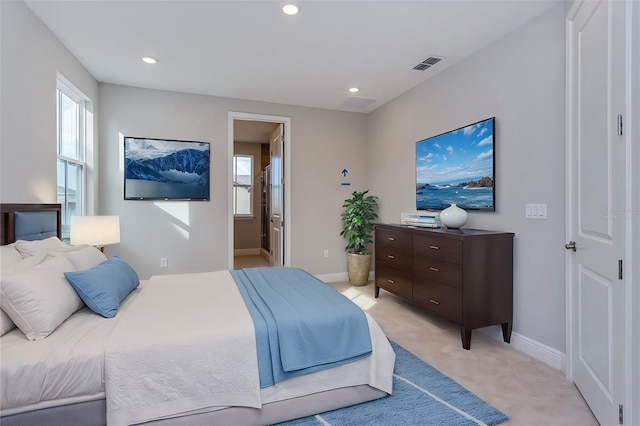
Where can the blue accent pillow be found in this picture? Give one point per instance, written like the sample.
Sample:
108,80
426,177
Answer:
104,286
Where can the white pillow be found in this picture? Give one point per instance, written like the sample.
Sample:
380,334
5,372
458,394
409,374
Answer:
21,265
5,323
38,300
85,257
9,255
32,248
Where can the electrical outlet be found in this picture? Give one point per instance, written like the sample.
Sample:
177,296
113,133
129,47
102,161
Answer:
326,253
164,262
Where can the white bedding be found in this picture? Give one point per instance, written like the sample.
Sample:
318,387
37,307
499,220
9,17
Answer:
67,366
188,344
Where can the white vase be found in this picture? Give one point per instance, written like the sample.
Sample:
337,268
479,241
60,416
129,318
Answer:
453,217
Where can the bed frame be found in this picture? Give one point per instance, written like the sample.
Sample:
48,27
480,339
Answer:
93,413
36,226
29,222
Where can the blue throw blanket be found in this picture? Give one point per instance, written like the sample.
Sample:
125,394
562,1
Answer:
302,325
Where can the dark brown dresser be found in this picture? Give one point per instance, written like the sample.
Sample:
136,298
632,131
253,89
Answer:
464,275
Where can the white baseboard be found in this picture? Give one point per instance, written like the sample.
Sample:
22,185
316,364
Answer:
246,252
552,357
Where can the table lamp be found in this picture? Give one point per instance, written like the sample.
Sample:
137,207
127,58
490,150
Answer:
97,231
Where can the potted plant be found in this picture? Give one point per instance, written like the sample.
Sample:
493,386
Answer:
358,226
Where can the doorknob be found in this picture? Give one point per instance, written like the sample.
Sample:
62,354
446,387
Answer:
571,245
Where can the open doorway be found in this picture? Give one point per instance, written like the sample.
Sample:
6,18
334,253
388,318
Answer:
259,190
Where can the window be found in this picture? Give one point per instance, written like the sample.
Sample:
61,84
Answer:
71,167
243,185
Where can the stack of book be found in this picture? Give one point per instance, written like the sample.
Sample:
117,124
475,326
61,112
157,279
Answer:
423,220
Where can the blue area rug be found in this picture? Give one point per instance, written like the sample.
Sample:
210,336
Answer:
421,396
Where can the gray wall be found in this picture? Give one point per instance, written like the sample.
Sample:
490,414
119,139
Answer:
519,80
193,236
30,57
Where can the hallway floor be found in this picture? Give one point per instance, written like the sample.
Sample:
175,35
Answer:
249,261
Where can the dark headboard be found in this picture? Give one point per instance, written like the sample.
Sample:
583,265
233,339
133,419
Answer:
29,222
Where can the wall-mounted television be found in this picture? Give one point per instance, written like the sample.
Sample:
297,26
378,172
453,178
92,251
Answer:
457,167
163,169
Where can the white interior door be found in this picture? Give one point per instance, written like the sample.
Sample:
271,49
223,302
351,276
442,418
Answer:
596,191
277,196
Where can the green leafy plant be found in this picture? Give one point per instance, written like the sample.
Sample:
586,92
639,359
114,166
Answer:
357,221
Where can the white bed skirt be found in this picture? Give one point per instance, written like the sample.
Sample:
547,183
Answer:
93,413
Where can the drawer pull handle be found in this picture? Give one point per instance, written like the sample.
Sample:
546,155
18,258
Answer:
391,281
391,239
434,247
434,269
391,256
435,302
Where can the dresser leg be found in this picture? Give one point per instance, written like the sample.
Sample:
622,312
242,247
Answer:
377,291
506,332
466,337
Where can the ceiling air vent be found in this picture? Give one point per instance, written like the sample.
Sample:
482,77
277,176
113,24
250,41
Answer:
428,63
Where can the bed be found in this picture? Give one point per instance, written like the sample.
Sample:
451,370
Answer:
158,360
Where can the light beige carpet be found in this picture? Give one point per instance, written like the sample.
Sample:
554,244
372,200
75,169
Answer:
528,391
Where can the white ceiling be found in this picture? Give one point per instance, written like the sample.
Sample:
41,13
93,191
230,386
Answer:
253,131
250,50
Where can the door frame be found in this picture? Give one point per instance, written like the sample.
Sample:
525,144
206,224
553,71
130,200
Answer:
632,268
632,130
286,121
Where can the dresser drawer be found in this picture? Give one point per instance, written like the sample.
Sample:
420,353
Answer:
444,249
439,298
392,256
433,267
399,239
427,268
394,280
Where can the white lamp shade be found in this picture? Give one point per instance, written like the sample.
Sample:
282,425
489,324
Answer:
95,230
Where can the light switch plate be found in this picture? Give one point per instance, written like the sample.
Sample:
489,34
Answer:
535,211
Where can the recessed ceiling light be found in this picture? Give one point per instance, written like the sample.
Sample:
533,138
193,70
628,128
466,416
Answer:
290,9
354,89
149,59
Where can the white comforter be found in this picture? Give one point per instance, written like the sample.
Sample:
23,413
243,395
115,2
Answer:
188,344
64,368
